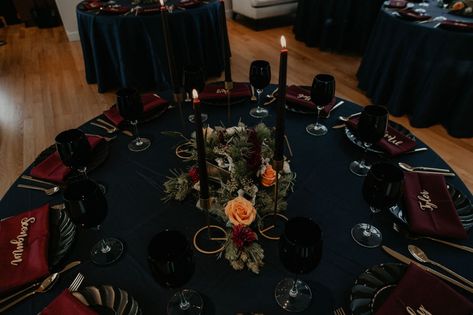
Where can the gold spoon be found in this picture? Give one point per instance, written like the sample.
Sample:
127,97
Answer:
45,286
420,256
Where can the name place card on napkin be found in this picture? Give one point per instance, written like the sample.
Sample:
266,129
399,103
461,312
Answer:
24,248
430,209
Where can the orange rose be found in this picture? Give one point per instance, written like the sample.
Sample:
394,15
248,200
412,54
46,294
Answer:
240,211
269,176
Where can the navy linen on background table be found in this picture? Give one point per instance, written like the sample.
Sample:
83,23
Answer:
336,25
421,71
325,191
129,50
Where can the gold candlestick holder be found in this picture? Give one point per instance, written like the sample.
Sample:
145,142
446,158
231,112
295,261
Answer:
178,98
209,239
271,224
228,88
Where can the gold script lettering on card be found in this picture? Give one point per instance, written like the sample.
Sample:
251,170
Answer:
221,91
392,139
425,203
20,239
420,311
304,97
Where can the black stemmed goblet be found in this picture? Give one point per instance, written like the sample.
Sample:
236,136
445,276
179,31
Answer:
74,150
371,128
260,77
87,207
130,108
171,261
194,78
382,189
300,251
322,93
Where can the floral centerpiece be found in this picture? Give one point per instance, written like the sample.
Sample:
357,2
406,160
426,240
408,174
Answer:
242,185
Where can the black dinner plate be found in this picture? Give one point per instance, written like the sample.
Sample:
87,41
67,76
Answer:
106,300
62,232
351,135
373,286
462,204
99,155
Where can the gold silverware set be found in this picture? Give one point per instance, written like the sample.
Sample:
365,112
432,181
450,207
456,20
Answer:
109,127
51,188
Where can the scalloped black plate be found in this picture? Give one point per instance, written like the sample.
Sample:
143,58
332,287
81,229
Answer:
373,286
62,232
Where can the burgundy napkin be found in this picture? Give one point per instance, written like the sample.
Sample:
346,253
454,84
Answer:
215,92
412,15
52,168
24,248
439,218
394,143
296,95
457,26
67,304
91,5
187,4
115,10
396,4
150,102
420,292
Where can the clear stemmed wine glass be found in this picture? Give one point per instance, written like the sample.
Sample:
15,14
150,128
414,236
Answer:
87,207
300,251
382,189
371,128
260,77
322,93
130,108
171,261
194,78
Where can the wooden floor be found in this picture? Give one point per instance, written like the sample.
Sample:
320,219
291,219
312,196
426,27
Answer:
43,91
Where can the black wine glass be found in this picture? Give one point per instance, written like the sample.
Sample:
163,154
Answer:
130,108
300,251
172,265
382,189
260,77
87,207
371,128
194,78
74,150
322,93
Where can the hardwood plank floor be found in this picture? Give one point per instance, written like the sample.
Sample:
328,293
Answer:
43,90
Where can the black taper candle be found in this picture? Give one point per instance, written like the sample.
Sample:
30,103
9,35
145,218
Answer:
199,137
280,119
225,42
176,84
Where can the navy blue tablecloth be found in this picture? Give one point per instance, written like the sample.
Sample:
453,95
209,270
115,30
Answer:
342,25
129,50
325,191
421,71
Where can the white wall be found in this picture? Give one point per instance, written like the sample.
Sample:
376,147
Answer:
67,10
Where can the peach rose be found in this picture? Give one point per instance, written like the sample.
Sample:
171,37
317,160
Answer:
269,176
240,211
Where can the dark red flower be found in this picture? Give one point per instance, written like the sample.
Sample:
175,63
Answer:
194,174
242,236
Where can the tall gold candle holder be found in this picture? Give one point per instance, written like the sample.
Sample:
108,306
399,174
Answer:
209,239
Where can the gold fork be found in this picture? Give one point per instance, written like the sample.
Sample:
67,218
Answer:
76,282
339,311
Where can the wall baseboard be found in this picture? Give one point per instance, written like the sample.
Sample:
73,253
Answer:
73,36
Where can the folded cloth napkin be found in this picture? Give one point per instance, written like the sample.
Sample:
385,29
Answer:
412,15
24,248
187,4
420,292
457,26
150,102
91,5
429,206
296,95
394,142
66,304
114,10
396,4
215,92
52,168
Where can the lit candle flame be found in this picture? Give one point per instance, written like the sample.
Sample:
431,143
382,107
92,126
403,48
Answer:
195,95
283,41
162,2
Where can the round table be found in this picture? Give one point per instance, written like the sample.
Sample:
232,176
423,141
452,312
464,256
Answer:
422,71
128,50
325,191
342,25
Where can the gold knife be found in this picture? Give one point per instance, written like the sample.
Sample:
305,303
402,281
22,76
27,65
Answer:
406,260
66,268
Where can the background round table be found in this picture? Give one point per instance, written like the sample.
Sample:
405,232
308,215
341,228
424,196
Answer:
129,50
325,190
337,25
421,71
